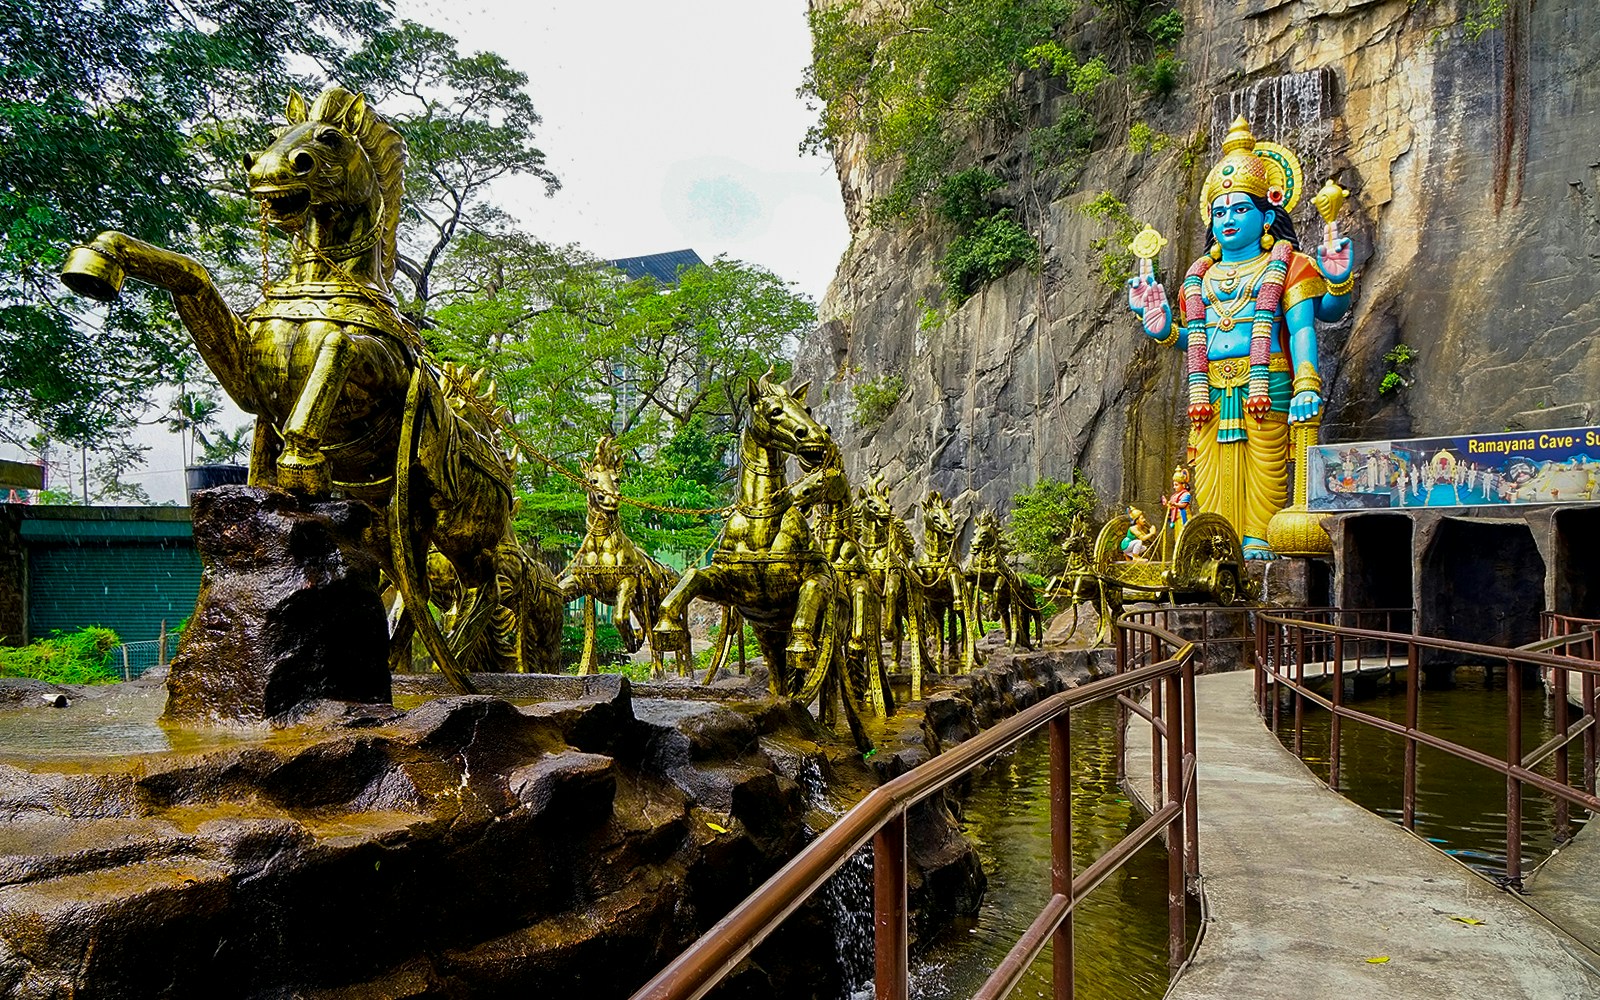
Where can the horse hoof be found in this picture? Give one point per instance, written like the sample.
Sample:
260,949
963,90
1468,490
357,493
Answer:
669,632
304,474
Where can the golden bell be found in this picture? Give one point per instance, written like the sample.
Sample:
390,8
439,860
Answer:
90,272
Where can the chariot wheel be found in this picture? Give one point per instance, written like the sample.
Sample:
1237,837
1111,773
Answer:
1226,590
1208,558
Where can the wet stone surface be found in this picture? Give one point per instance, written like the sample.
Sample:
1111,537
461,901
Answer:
558,834
289,608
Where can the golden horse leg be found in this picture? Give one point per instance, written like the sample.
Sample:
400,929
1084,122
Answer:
301,467
586,663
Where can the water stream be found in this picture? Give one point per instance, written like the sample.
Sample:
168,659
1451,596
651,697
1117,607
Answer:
1461,807
1121,934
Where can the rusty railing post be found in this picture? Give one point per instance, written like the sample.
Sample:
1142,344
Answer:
1280,645
1176,899
1338,702
1120,727
891,939
1191,802
1589,708
1408,815
1513,783
1156,743
1300,680
1261,666
1563,774
1061,960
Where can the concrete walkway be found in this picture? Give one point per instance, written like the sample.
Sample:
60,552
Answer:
1567,887
1303,887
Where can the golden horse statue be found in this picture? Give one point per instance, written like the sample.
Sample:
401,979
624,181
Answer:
889,550
768,567
608,567
949,599
1014,599
346,401
825,492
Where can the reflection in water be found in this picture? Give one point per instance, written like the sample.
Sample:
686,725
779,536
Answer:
1461,807
1121,934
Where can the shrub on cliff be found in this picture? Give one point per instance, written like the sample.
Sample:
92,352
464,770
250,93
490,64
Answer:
992,247
1041,517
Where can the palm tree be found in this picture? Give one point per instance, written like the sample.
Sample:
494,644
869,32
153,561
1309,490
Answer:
230,448
191,413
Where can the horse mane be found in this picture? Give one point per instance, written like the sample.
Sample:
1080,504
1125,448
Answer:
386,151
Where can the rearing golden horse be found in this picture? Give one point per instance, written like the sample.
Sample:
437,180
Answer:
344,400
767,565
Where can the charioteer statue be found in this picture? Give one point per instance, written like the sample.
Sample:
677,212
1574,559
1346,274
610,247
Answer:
1246,323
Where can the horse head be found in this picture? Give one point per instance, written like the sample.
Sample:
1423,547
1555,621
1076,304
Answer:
874,499
335,158
938,519
601,475
986,537
781,420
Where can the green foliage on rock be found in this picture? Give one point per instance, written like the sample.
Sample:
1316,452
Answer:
962,196
915,77
1041,517
876,398
993,247
64,658
1159,77
1399,359
1116,261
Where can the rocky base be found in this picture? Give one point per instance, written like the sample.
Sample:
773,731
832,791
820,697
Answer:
558,835
571,838
289,609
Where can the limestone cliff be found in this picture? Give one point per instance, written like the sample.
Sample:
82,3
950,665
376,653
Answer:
1475,167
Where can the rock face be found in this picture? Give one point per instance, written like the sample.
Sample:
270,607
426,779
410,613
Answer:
289,609
1475,167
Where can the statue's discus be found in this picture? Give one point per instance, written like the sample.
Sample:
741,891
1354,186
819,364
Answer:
1148,243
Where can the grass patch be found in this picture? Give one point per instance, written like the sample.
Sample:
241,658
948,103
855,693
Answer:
64,658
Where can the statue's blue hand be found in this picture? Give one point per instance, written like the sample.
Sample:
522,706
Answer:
1336,261
1148,300
1304,406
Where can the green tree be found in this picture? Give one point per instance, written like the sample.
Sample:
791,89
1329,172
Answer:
124,116
188,417
468,121
1042,515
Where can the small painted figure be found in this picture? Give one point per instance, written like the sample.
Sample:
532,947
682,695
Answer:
1179,500
1140,535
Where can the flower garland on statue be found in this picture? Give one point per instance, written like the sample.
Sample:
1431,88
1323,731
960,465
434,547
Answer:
1270,295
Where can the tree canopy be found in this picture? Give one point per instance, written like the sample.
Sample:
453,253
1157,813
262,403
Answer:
133,115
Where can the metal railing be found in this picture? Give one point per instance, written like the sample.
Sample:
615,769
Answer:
1286,646
1155,658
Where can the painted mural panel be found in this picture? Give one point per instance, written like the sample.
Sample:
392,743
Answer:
1517,467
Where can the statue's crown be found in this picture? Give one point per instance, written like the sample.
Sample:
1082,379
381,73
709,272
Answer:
1264,169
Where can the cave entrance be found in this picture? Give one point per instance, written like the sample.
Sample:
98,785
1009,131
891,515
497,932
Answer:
1577,576
1483,581
1376,569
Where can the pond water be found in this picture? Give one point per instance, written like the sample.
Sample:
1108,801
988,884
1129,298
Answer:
1121,933
1461,807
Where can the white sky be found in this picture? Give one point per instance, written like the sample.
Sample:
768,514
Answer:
671,124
